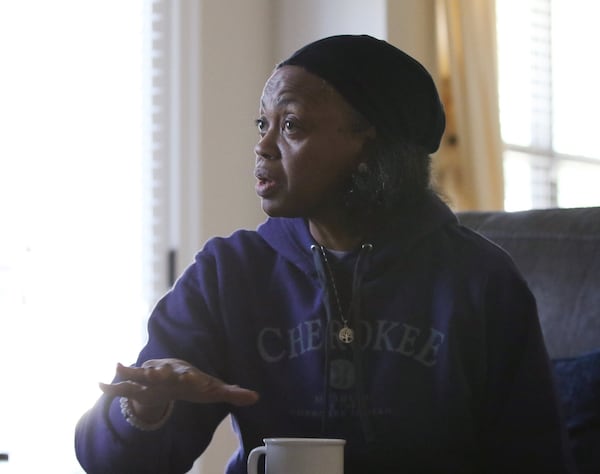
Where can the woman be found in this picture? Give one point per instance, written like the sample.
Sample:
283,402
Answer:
360,309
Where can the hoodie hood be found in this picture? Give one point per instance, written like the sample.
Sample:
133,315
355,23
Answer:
291,238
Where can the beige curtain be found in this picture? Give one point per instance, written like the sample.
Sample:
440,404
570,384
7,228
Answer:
468,166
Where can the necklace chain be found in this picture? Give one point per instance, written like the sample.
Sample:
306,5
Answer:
346,333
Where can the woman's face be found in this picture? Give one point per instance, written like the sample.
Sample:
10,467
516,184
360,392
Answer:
308,145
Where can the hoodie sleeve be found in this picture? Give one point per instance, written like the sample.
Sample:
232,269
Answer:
522,426
184,325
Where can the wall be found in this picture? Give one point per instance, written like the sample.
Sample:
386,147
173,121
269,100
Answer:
300,22
236,59
411,27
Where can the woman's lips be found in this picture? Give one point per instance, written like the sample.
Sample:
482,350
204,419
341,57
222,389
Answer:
265,184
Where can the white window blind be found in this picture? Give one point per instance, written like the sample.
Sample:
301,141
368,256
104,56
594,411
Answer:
159,258
548,95
82,211
173,216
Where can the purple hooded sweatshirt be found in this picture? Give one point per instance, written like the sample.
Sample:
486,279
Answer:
447,372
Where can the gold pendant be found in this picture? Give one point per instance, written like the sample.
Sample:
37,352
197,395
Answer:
346,335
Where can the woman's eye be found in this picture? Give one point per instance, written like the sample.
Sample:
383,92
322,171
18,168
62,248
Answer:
289,125
261,125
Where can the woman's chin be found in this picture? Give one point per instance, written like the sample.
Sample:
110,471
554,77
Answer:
276,209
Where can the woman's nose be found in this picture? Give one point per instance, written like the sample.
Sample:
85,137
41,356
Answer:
266,147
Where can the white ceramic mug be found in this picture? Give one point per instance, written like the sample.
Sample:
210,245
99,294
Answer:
299,456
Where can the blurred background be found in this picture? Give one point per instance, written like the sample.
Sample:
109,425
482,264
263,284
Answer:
126,141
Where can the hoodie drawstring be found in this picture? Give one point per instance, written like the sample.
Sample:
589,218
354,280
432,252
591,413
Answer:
327,280
317,252
360,268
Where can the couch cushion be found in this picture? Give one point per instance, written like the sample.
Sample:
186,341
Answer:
578,384
558,252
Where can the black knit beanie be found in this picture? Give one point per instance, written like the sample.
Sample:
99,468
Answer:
393,91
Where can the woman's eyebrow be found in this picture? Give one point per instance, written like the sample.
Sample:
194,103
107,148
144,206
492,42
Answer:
290,94
282,101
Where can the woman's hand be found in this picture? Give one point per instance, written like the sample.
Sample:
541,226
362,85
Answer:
157,382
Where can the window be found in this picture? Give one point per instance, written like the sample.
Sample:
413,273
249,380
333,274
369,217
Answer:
549,97
76,153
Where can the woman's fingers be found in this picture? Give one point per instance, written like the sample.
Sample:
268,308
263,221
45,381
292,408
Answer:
239,396
122,389
129,373
149,396
172,379
207,389
158,374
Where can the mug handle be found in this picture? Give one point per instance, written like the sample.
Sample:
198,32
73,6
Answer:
253,458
